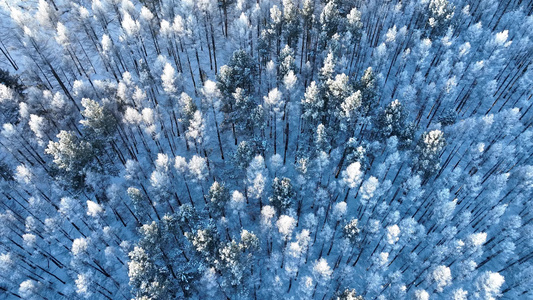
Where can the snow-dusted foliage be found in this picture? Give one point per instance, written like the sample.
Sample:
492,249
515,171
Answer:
274,149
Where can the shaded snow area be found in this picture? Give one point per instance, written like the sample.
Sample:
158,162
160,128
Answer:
269,149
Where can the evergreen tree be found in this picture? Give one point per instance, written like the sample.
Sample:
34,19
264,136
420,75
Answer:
218,197
243,155
368,88
286,62
11,81
291,23
348,294
351,230
146,278
393,122
240,72
244,114
205,242
330,20
322,142
98,119
312,104
440,16
282,194
71,155
428,150
188,110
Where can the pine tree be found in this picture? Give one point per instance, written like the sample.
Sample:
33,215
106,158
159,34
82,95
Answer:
488,285
351,231
243,155
329,21
321,139
286,62
11,81
188,109
197,168
196,131
428,150
205,242
256,177
282,194
291,23
240,72
218,197
146,278
98,119
368,88
440,14
339,91
312,105
236,258
243,113
348,294
71,155
168,79
393,122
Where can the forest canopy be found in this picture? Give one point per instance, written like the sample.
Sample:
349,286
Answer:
269,149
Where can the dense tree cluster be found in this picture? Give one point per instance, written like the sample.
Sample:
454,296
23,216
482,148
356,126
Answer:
231,149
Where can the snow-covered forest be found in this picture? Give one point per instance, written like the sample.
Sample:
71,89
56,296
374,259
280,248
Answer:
268,149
